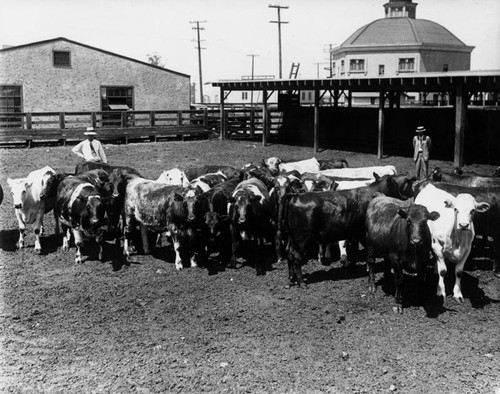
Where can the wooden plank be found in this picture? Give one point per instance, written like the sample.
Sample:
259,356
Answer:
380,142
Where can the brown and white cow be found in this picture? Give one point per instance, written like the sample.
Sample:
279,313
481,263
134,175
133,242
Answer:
80,209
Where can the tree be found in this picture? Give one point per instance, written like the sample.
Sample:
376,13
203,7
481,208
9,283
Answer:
155,59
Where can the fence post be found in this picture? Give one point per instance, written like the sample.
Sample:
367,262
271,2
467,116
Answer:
29,123
252,122
124,119
61,120
93,119
179,118
152,119
205,118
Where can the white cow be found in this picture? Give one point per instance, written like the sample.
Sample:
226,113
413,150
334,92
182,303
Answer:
28,205
452,234
360,172
174,177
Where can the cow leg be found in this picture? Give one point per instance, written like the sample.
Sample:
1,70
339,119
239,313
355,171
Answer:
459,270
22,231
398,281
38,229
325,253
78,243
278,246
294,265
56,221
144,237
177,249
343,253
66,238
441,269
259,263
370,261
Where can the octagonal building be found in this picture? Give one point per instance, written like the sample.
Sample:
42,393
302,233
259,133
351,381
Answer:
399,44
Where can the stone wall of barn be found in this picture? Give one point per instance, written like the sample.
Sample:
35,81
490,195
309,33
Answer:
77,88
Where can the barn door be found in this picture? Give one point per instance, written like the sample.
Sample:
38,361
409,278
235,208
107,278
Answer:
116,99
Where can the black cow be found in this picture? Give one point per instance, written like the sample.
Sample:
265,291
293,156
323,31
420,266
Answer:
261,173
250,218
80,208
283,185
437,175
228,171
325,217
460,171
397,230
89,165
486,223
216,223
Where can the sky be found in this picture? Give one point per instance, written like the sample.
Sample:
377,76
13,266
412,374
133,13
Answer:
235,29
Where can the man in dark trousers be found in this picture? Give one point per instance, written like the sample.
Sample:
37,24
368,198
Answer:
422,145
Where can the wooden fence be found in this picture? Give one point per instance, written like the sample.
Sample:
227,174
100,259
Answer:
124,126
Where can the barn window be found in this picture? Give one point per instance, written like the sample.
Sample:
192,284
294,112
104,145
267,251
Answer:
244,95
62,58
116,99
406,64
10,102
445,67
357,65
334,71
381,69
342,67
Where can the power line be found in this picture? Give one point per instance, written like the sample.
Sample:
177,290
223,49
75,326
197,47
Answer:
198,28
279,22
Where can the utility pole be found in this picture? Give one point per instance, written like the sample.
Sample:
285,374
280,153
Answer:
279,22
198,28
251,92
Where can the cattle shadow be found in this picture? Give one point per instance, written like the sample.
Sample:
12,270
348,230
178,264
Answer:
352,271
8,239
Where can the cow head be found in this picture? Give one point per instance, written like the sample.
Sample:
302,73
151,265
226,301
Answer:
117,184
416,217
194,200
436,175
465,207
19,188
50,185
273,164
92,217
174,177
215,224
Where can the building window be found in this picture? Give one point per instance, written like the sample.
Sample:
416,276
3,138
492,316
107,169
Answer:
445,67
381,69
357,65
62,58
10,102
334,71
342,70
406,64
116,99
244,95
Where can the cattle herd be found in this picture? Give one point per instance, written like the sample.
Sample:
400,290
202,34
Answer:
211,212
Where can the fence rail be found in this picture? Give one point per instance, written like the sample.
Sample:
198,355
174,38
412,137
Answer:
26,127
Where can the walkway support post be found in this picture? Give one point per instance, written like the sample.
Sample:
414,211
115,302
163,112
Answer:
316,120
265,118
460,119
222,117
380,149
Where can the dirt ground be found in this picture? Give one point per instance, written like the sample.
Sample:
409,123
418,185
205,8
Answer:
147,328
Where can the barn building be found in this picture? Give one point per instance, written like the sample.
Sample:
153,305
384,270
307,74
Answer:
64,75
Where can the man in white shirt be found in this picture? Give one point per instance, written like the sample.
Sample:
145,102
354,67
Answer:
90,149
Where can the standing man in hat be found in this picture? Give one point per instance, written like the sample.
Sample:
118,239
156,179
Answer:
90,149
422,145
